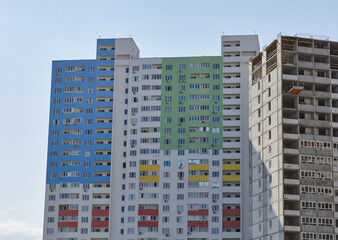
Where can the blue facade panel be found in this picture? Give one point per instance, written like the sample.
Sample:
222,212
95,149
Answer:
73,121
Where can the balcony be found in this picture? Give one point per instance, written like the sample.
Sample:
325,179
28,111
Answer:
147,224
198,223
100,212
67,224
149,179
198,178
291,212
291,136
200,212
291,181
291,151
231,167
198,167
290,166
68,212
100,224
289,77
231,212
231,178
148,212
291,197
231,223
288,228
290,121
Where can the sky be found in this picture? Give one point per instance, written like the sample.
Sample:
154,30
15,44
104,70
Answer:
33,33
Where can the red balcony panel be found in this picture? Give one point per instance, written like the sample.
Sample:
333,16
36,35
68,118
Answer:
148,212
103,212
67,224
198,223
100,223
202,212
232,212
231,223
148,224
68,212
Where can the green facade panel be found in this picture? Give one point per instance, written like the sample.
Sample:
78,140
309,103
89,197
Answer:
191,101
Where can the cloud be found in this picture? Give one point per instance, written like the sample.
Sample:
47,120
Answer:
17,229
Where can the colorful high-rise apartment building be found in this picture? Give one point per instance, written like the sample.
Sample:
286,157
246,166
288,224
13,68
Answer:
150,148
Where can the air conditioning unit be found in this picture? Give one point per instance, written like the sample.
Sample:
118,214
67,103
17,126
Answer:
86,190
181,102
189,233
166,200
133,114
181,91
180,71
181,178
168,80
215,212
134,124
134,72
214,112
204,121
179,212
167,234
76,145
167,102
180,123
214,200
76,124
139,221
179,145
213,145
216,101
52,190
199,221
180,167
140,233
141,188
134,92
132,146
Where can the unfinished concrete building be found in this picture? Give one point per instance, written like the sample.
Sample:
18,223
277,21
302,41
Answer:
294,140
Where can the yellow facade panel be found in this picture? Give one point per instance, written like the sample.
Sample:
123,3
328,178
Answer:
231,178
231,166
149,179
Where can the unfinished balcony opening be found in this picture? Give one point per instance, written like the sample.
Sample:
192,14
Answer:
305,42
290,143
333,48
302,57
321,73
305,101
323,131
322,88
290,114
306,130
271,64
257,68
335,88
291,190
334,117
288,174
321,44
334,103
335,133
322,102
291,235
291,159
290,129
288,58
306,115
289,102
288,43
291,205
334,64
321,59
289,70
323,117
305,71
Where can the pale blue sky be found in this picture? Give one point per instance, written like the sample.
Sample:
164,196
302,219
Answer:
33,33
